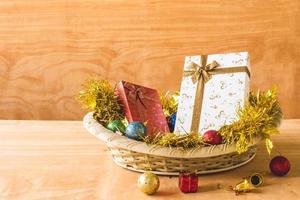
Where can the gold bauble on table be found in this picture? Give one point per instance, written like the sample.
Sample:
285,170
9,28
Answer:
148,183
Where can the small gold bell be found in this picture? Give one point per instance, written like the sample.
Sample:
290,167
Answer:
243,186
248,183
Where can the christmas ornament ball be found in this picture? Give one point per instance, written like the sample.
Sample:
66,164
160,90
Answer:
116,125
171,122
148,183
136,130
212,137
280,165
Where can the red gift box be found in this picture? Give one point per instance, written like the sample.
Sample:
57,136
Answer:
142,104
188,183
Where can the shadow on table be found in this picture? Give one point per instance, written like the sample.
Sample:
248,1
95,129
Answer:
165,193
208,188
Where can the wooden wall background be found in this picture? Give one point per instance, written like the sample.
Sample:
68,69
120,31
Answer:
48,47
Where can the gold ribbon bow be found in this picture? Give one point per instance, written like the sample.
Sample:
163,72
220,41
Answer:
201,74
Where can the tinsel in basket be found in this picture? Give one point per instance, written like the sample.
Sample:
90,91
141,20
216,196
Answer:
99,96
186,141
260,117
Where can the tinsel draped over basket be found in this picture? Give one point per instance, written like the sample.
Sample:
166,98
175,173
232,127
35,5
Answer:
138,156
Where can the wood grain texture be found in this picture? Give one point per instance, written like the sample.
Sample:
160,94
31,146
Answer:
47,48
60,160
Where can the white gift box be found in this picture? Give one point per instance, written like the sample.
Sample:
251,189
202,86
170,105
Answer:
221,95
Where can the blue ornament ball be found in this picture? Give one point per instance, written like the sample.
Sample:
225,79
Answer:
171,122
136,130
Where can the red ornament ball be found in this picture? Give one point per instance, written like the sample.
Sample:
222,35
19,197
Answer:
280,165
212,137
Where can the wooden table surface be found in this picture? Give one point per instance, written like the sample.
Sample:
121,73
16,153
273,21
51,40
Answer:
61,160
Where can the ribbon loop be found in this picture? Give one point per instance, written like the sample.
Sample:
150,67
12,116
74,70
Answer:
136,94
202,71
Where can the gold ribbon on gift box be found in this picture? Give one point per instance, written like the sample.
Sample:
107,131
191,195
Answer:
201,74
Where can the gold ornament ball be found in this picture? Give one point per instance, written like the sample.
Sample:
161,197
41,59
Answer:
148,183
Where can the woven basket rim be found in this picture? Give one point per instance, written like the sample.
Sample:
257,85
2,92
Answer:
177,173
114,140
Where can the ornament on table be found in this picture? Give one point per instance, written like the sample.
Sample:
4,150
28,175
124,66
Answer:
248,183
142,104
212,137
136,130
280,165
171,122
243,187
188,182
116,125
148,183
212,89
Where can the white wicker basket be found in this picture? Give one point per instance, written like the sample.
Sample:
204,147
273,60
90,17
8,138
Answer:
138,156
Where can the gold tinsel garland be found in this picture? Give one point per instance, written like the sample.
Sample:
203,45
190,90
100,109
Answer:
258,118
99,96
185,141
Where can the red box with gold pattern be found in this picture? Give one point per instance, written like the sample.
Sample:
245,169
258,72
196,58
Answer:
188,183
142,104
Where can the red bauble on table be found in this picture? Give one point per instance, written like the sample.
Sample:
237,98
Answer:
212,137
280,165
